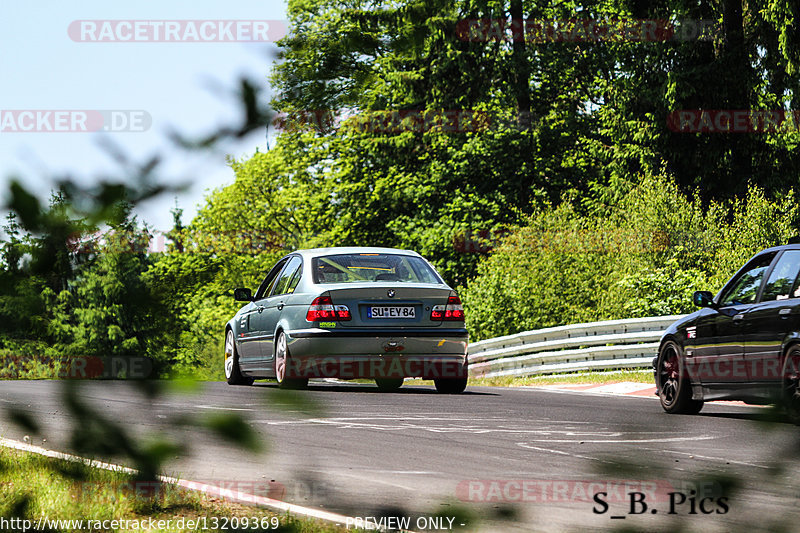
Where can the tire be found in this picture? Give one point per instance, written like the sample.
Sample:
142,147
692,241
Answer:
672,382
790,380
233,374
450,385
389,384
281,362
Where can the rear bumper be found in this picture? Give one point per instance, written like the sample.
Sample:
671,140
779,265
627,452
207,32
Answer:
364,353
358,333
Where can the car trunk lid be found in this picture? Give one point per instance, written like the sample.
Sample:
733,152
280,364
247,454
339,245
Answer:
388,304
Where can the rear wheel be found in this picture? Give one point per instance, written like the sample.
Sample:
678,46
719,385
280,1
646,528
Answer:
232,372
282,366
791,384
672,382
389,384
450,385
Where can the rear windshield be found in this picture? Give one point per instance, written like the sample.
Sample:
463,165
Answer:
356,268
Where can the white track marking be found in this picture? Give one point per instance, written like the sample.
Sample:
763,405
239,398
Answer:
560,452
590,393
409,423
205,488
224,408
629,441
404,472
625,387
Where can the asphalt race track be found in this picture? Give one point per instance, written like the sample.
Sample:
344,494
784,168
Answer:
518,459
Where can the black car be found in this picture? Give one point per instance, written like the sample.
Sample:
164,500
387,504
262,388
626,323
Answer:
744,344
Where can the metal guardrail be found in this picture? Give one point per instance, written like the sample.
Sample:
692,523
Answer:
629,343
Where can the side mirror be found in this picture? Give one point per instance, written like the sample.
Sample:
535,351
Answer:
242,295
703,299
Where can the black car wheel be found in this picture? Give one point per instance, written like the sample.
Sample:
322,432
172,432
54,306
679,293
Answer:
232,372
282,366
450,385
791,381
672,382
389,384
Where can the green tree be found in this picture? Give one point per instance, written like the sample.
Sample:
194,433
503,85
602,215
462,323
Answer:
108,309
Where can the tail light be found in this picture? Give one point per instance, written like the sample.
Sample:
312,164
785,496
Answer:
452,311
342,312
322,308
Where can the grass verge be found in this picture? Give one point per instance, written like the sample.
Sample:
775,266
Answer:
598,378
33,487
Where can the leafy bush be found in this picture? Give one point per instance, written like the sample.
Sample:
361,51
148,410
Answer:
197,289
642,257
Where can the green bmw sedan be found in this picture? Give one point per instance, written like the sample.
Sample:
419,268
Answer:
348,313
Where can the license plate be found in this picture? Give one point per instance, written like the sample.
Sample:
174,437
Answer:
390,312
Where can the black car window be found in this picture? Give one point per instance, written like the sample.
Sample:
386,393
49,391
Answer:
744,289
372,267
282,285
269,281
782,280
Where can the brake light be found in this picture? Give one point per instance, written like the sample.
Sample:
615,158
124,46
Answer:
322,308
342,312
452,311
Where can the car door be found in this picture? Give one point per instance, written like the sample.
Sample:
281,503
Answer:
768,322
249,332
727,324
699,345
268,310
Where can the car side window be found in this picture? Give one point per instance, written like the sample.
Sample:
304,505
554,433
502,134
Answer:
269,281
295,279
282,285
744,288
782,282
